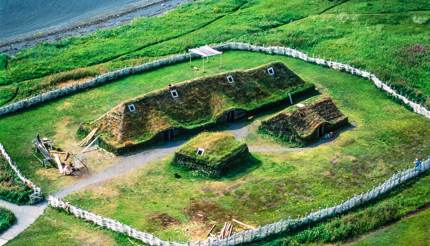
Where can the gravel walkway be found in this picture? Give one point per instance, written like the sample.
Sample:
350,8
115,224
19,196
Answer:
26,215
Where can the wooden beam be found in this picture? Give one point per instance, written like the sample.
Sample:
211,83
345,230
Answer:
243,224
210,231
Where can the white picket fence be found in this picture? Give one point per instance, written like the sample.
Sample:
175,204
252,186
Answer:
275,50
260,233
285,51
244,236
36,196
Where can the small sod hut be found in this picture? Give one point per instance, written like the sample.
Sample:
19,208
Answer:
193,105
305,122
213,154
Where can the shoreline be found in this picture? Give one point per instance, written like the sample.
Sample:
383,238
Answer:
14,44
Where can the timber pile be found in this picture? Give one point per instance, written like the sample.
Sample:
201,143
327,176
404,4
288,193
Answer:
48,154
228,229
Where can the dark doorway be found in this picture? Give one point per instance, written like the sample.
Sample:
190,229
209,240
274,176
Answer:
321,131
231,116
168,135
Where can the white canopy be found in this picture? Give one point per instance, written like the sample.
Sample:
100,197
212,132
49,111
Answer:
205,51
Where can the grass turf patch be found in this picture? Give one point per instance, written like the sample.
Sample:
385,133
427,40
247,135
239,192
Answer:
68,231
11,188
213,154
278,186
198,104
408,231
7,219
305,122
398,205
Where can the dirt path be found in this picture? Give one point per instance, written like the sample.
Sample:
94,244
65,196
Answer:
26,215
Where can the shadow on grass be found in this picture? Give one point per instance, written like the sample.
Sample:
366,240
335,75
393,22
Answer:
243,166
340,225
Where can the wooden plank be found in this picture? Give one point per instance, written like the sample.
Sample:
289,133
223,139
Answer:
243,224
59,164
210,231
221,233
88,138
89,145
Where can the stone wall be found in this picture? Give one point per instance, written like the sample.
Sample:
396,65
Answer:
275,50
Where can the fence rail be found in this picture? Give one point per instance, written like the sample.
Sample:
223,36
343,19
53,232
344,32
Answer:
36,196
244,236
174,59
260,233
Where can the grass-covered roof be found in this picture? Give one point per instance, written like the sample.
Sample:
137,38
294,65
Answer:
200,102
305,119
217,147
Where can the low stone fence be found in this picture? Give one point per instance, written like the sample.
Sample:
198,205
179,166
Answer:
97,81
260,233
276,50
36,196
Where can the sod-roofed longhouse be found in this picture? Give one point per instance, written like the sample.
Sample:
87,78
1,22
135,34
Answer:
196,104
305,122
213,154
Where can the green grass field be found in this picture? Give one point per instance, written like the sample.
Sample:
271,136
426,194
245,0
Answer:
382,36
388,38
11,188
412,231
280,185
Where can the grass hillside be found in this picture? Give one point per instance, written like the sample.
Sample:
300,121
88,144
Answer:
11,188
283,183
389,38
200,102
411,231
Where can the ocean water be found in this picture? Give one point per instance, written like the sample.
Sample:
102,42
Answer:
19,17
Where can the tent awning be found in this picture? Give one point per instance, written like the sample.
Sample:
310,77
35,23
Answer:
205,51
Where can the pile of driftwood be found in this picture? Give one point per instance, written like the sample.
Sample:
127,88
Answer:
50,155
228,229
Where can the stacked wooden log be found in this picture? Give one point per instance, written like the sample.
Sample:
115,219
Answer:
226,230
67,163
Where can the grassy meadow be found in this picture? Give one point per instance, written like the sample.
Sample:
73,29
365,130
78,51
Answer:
388,38
412,231
385,137
11,187
383,36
